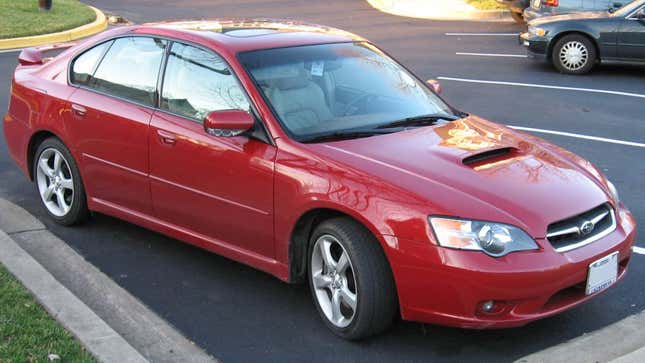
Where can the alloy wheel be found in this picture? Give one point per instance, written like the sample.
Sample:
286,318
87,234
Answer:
55,182
332,276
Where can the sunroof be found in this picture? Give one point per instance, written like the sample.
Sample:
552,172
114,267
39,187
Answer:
249,32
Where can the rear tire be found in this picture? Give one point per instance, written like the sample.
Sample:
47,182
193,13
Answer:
352,288
58,183
574,54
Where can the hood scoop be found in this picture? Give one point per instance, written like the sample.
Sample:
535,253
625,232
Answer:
489,155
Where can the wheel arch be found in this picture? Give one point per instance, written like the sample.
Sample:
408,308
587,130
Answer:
301,234
585,34
36,139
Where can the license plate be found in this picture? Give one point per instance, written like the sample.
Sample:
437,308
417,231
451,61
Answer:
535,4
602,273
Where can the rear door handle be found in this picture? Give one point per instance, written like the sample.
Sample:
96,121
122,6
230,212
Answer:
166,137
79,110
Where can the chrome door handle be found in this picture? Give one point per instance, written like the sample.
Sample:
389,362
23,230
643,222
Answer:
79,110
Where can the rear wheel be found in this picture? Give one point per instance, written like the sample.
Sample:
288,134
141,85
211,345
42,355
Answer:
574,54
59,183
350,279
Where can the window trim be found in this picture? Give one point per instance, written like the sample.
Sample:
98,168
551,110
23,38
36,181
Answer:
265,136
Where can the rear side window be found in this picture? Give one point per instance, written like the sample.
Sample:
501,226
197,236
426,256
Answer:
85,64
198,82
130,69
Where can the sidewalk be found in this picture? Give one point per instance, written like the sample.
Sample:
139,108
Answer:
438,10
112,324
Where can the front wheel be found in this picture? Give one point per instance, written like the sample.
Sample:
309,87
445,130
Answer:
574,54
350,279
59,184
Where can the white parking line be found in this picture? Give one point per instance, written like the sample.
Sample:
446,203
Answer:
639,250
483,34
492,55
10,50
579,136
628,94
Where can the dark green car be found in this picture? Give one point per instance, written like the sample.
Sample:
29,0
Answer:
575,43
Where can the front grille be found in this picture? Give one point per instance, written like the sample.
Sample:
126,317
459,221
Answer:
582,229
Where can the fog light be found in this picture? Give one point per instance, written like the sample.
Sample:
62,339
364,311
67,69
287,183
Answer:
488,306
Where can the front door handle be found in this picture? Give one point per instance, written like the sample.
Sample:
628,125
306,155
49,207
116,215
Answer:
166,137
79,110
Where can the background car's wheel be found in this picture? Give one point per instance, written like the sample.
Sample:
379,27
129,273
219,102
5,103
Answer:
350,279
518,17
58,182
574,54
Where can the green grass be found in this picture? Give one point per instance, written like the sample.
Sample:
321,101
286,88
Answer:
27,332
482,4
20,18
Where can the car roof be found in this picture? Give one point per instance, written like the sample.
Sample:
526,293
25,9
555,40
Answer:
238,35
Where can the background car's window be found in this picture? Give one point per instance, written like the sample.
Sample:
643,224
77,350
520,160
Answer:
130,69
85,64
198,82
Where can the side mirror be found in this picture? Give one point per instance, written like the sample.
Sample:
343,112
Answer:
617,5
228,123
435,85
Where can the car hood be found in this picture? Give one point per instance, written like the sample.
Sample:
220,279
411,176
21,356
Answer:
477,169
572,16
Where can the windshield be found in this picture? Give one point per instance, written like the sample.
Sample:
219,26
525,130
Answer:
628,8
338,88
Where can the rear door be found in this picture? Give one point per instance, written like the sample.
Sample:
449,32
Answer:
110,116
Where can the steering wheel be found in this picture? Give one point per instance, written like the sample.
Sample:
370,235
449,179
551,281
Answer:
362,98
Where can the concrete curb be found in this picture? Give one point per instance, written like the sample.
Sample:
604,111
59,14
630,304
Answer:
83,299
386,6
620,342
99,339
98,25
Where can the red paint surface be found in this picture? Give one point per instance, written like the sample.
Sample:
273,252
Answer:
241,198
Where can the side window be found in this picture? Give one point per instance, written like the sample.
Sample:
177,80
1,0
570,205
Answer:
198,82
130,69
85,64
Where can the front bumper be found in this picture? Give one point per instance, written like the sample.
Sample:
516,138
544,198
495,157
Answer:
447,287
536,47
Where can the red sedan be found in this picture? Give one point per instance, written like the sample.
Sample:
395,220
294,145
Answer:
308,153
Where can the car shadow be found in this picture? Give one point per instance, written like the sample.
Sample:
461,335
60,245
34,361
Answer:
238,313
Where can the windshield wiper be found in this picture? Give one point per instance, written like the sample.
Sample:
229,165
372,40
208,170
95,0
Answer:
344,135
423,120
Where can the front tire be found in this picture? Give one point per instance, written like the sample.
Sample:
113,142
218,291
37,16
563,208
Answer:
59,184
350,279
574,54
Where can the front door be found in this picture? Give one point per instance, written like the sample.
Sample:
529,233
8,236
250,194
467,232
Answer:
218,187
631,39
110,116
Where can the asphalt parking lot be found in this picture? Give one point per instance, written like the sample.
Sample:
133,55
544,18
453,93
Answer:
239,314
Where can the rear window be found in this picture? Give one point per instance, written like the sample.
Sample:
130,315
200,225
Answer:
130,69
84,66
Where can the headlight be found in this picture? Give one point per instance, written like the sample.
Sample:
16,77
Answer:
613,191
537,31
494,239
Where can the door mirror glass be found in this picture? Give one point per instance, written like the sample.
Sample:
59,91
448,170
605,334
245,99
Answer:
435,85
228,123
